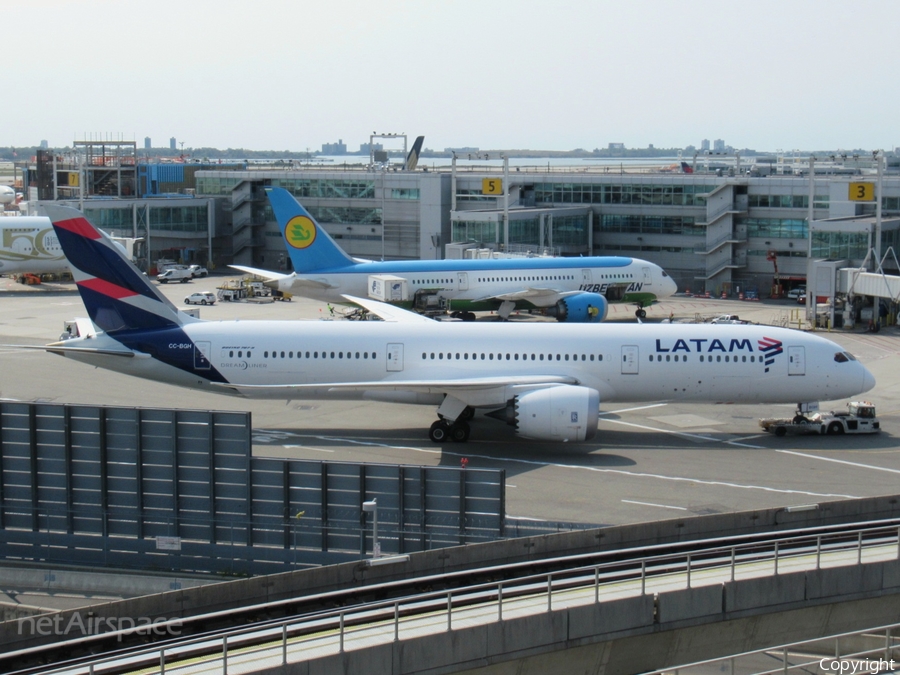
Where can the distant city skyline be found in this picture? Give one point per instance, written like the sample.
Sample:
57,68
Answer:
497,75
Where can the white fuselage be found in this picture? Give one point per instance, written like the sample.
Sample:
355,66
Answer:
29,245
642,362
472,281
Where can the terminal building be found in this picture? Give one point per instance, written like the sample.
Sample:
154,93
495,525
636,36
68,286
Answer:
710,230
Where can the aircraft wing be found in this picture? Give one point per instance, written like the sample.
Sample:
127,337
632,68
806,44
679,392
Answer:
538,296
457,387
387,312
265,274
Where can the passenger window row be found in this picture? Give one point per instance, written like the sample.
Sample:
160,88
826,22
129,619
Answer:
465,356
727,358
539,278
318,355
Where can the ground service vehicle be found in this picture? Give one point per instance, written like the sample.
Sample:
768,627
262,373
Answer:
859,418
201,298
173,274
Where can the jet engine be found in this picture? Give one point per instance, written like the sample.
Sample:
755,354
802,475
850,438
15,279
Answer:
563,413
580,308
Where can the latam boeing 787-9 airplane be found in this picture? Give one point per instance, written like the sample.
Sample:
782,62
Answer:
548,381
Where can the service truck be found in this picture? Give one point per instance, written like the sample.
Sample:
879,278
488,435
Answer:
175,274
859,418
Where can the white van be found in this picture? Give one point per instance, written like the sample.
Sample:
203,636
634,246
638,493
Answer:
172,274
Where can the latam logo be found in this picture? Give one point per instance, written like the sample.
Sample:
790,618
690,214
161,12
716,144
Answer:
771,348
707,346
633,287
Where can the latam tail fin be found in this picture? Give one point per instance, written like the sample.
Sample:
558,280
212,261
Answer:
412,159
686,168
310,247
116,294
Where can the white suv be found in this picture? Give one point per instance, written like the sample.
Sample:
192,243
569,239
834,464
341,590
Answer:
201,298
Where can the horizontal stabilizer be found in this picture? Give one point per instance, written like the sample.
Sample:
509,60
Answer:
62,348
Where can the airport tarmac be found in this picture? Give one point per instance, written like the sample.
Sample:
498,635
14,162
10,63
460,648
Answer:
647,462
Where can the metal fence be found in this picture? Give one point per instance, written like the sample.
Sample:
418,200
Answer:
178,489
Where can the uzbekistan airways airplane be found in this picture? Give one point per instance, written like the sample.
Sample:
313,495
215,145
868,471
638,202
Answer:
572,289
547,381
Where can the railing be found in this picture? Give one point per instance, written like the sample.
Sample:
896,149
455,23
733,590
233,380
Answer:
820,655
327,632
719,242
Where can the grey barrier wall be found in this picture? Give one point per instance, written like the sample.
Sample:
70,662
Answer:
179,490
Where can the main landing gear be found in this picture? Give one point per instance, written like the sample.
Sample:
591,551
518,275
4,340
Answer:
444,430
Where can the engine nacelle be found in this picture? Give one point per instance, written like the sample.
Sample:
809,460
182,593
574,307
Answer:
564,413
581,308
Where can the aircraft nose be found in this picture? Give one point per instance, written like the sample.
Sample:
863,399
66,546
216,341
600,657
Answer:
868,380
671,286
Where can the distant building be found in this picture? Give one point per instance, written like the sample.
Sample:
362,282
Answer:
460,151
368,148
617,147
704,145
44,145
147,143
718,145
339,148
172,144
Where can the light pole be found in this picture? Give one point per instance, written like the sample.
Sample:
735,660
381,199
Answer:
372,507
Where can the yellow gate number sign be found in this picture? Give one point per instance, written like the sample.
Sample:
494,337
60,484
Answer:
491,186
862,192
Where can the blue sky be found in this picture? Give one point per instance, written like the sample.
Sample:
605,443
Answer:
495,74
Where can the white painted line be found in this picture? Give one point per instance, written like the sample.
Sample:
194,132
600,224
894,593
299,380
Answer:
636,474
661,506
840,461
578,467
308,447
643,407
685,434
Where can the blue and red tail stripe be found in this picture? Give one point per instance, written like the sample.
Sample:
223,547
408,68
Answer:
117,294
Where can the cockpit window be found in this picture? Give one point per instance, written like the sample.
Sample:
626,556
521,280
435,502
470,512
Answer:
664,274
841,357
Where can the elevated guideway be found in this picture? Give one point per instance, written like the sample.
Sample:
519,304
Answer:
619,612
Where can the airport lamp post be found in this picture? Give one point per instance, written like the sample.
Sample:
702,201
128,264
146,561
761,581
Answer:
372,507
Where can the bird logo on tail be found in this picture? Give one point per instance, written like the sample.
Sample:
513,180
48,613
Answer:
300,232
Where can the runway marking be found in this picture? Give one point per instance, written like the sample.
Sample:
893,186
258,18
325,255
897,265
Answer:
579,467
685,434
308,447
840,461
643,407
661,506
